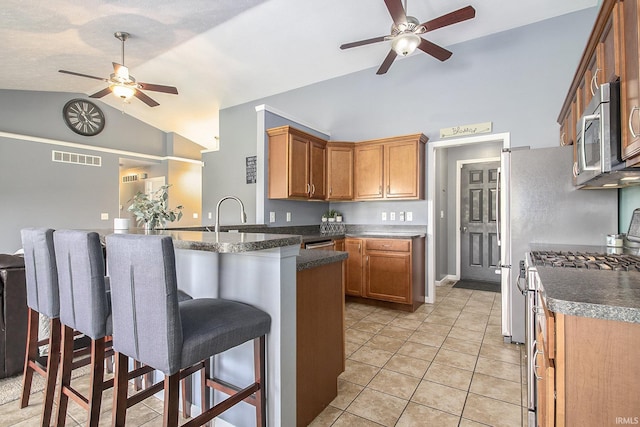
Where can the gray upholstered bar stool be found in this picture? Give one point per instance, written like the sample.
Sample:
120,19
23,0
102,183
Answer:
178,339
42,298
84,307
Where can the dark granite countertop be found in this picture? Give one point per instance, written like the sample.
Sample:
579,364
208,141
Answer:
315,258
610,295
222,242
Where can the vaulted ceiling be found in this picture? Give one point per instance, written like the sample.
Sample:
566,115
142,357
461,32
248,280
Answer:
224,52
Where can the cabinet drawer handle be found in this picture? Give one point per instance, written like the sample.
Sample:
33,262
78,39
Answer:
562,140
308,189
313,189
633,110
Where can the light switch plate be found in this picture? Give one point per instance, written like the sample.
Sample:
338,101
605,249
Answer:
288,216
384,216
392,216
409,216
401,216
104,216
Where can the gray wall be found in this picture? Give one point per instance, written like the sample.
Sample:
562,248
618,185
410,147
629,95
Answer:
516,79
34,191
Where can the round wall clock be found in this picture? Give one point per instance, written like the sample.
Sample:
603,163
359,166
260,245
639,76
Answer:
83,117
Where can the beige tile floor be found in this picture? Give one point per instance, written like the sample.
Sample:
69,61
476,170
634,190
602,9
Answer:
444,365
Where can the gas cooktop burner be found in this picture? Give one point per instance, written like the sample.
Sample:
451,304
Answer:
595,261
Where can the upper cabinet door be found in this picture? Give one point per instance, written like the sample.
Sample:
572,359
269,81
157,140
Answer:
401,170
298,166
317,170
340,171
630,85
369,171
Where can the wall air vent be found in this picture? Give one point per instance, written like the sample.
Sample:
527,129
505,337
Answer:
129,178
75,158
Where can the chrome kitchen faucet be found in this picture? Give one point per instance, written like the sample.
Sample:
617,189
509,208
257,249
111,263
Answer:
243,215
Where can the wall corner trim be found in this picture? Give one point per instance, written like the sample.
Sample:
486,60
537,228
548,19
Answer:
265,107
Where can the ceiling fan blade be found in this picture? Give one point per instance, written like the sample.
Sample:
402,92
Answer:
396,10
363,42
121,71
73,73
434,50
386,64
100,94
450,18
146,99
158,88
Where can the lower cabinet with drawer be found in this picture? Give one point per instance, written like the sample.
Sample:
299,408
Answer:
386,272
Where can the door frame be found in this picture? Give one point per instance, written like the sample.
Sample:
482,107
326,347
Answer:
505,249
459,165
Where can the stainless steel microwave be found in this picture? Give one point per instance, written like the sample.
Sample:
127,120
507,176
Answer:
598,139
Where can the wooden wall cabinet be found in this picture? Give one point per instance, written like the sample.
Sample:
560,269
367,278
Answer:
391,168
297,164
630,82
339,171
386,272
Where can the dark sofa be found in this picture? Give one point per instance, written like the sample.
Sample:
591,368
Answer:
13,315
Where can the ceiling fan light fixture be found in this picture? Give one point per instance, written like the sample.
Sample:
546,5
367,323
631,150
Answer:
123,91
406,43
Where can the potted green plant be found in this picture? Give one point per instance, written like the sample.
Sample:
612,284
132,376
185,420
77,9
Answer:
153,211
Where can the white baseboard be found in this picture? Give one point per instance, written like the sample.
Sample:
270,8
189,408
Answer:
446,279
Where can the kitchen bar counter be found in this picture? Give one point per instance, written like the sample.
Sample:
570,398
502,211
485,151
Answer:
316,258
610,295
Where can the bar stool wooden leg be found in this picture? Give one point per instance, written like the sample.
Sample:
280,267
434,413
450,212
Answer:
97,381
31,354
53,361
259,372
171,398
119,410
65,380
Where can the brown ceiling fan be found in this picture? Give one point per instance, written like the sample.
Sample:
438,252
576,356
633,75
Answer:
406,30
123,84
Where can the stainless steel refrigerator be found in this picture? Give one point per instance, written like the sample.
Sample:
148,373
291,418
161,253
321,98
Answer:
545,207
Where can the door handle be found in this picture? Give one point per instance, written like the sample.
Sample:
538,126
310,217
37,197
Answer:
464,229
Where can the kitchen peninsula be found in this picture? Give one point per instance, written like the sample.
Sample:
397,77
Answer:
258,269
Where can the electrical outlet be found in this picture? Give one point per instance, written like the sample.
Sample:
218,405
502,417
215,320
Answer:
384,216
441,214
401,216
104,216
392,216
272,217
409,216
209,215
288,216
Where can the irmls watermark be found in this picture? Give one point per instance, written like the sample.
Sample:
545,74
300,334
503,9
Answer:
627,420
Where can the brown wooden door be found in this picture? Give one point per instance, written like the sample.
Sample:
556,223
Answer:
479,251
340,172
298,166
401,170
630,84
609,49
353,284
317,170
388,276
369,171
